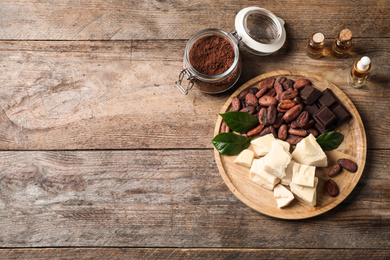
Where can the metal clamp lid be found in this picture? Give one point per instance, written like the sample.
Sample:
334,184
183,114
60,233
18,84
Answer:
190,79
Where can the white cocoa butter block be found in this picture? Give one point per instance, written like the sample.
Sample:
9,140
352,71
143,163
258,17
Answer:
245,158
307,194
282,195
262,182
276,161
303,175
258,169
262,145
309,152
284,144
289,173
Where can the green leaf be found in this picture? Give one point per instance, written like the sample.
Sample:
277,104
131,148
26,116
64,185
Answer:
240,121
230,143
330,140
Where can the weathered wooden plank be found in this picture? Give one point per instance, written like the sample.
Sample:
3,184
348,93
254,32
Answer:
125,20
171,198
192,253
108,95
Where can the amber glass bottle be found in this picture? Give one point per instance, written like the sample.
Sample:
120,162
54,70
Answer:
342,44
315,45
359,72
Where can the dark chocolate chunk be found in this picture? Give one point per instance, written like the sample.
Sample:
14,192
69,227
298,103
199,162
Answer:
325,117
341,114
312,109
327,98
322,129
309,95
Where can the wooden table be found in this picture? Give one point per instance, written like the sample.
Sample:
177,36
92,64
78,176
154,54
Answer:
102,157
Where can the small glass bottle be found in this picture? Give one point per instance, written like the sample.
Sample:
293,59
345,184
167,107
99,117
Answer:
316,45
342,44
359,72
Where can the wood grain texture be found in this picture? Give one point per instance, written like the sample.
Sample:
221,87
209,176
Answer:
108,95
173,198
192,253
354,147
127,20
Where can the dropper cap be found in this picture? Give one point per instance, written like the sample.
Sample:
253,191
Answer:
364,63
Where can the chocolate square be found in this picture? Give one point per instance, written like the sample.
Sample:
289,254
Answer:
341,113
322,129
309,95
327,99
325,117
312,109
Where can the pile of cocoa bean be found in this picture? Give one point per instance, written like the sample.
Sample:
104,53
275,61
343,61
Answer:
279,107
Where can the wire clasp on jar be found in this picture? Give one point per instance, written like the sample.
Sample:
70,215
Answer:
190,79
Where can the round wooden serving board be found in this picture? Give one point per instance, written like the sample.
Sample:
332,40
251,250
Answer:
353,147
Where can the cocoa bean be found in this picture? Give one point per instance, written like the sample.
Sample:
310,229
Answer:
268,101
292,113
279,120
286,104
281,110
334,170
255,130
332,188
288,84
302,119
251,100
249,109
299,132
236,104
347,164
293,124
263,118
293,139
261,92
301,83
278,88
243,94
271,114
265,131
273,131
312,131
289,94
281,79
282,133
270,93
269,83
309,124
224,128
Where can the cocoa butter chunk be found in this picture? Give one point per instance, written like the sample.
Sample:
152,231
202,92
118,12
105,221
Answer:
309,95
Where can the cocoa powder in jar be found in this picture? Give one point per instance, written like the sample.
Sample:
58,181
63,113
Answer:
212,56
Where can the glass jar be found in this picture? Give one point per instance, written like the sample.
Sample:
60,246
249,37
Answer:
211,84
256,29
